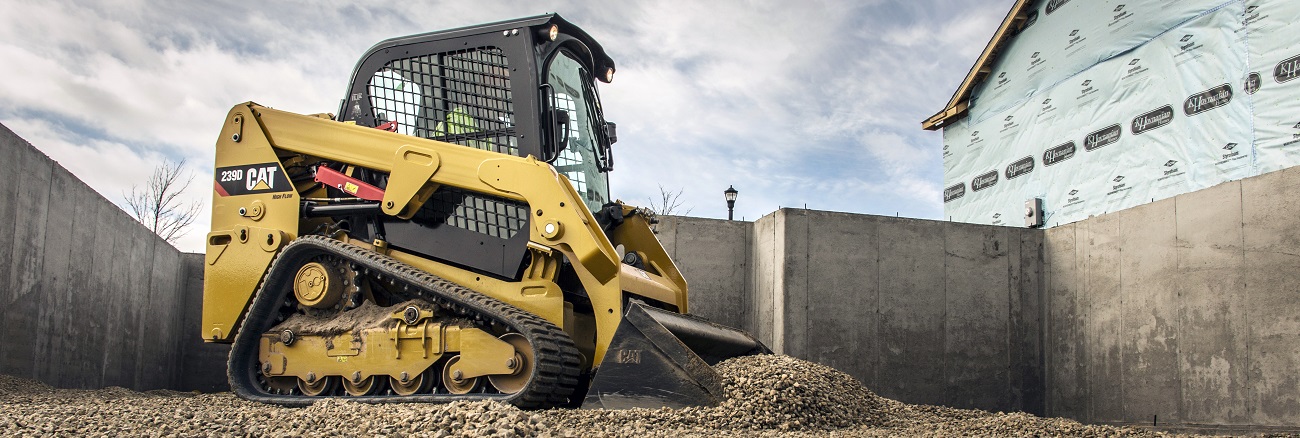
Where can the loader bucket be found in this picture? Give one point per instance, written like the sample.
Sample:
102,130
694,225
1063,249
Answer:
664,359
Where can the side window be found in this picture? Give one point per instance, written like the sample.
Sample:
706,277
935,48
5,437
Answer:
571,159
579,160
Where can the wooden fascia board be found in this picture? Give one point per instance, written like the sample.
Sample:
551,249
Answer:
983,66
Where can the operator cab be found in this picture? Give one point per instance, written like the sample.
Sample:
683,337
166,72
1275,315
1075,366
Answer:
519,87
522,87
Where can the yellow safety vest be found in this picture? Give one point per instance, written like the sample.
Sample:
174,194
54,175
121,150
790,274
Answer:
458,122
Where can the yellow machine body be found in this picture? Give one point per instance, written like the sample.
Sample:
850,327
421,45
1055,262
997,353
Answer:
449,236
241,247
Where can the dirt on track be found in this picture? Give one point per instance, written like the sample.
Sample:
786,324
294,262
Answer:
768,395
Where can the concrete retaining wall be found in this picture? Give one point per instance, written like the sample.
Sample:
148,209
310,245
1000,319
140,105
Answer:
1183,311
91,298
714,257
920,311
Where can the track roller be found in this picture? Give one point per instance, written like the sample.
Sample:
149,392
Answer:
318,387
413,385
523,365
363,387
454,382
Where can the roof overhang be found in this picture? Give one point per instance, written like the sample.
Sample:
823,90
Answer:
960,101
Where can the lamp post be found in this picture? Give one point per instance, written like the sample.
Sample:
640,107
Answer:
730,193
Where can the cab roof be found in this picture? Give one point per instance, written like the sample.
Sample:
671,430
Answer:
602,60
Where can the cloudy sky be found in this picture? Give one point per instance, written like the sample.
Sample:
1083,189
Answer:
793,103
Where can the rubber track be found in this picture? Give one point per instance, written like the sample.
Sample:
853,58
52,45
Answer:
555,373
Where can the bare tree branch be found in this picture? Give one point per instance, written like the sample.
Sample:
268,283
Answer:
669,202
159,206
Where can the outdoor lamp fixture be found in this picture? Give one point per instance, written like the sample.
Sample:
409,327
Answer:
731,200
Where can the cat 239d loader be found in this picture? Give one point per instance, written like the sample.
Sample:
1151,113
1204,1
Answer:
449,235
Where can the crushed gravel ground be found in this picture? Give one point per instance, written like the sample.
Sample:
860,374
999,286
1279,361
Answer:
767,396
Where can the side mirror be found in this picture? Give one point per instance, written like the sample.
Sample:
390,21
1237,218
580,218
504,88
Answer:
607,158
611,132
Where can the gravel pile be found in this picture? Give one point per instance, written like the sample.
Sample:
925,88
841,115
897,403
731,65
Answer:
765,392
767,396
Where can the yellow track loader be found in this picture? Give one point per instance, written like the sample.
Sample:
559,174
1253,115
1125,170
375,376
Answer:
449,235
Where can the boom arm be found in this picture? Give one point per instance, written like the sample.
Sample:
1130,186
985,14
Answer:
560,219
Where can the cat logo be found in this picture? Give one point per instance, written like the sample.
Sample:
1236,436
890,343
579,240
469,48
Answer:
251,179
261,179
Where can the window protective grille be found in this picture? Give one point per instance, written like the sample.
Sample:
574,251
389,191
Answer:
496,217
460,97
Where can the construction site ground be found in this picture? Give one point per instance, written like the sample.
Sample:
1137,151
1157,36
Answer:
768,395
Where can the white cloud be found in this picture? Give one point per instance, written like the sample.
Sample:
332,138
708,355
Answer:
816,102
115,169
